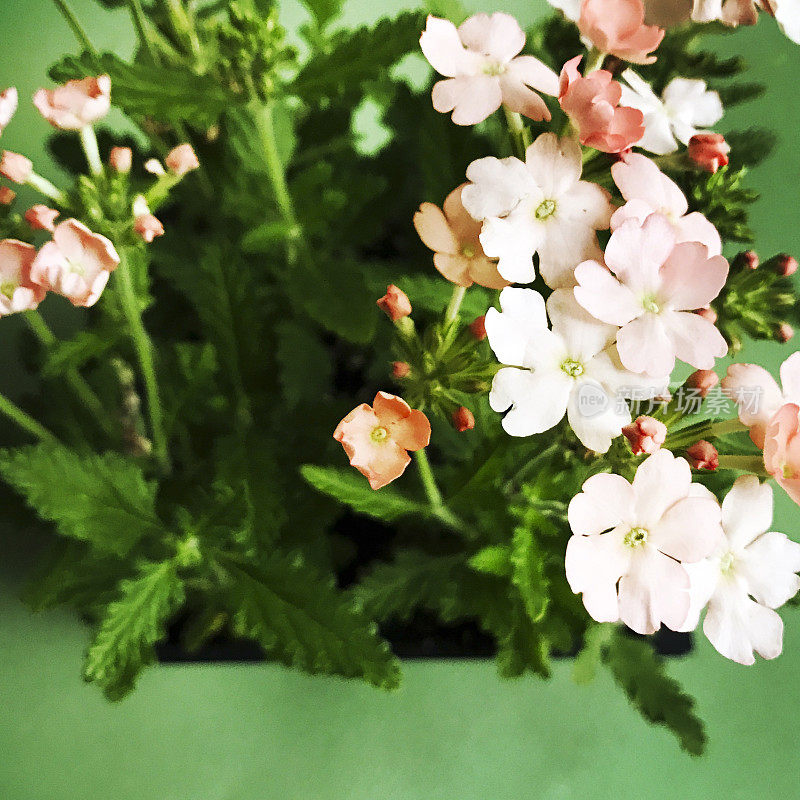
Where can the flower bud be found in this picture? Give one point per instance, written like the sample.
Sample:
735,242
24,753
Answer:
785,332
645,434
15,167
709,151
121,159
703,455
463,419
41,218
785,265
707,313
704,380
181,159
7,196
148,227
400,369
154,167
395,303
747,259
478,328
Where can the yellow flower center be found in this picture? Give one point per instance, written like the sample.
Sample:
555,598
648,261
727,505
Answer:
468,251
726,563
76,267
379,434
494,69
636,537
545,210
8,288
649,303
573,368
788,471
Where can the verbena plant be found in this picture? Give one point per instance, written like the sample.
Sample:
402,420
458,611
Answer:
182,436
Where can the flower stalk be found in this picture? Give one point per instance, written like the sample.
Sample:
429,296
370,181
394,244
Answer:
75,26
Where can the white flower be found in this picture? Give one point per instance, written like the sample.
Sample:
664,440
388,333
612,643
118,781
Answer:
631,543
674,117
787,13
572,369
539,206
751,573
571,9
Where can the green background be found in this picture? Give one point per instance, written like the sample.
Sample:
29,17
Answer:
454,731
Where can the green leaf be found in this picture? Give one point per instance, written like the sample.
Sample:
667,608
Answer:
522,648
148,91
358,56
244,127
133,623
303,621
659,698
323,11
349,487
101,499
528,573
596,639
83,347
494,560
306,370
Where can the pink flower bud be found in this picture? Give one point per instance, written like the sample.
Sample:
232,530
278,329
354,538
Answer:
8,106
704,380
786,265
707,313
400,369
121,159
41,218
148,227
76,104
645,434
15,167
785,332
7,196
709,151
703,455
463,419
748,259
478,328
181,159
395,303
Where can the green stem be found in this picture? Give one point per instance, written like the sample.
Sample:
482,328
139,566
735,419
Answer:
594,60
455,303
83,392
25,421
140,23
144,351
520,135
91,150
77,28
49,190
428,480
726,426
752,464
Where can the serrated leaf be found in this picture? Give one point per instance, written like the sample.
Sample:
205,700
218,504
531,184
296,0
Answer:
303,621
323,11
149,91
528,573
101,499
74,353
349,487
132,624
305,364
659,698
596,638
493,560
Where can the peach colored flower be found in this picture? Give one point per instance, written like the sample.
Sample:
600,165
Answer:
148,227
181,159
121,159
645,434
617,27
7,196
76,104
709,151
394,303
782,449
76,263
15,167
703,455
483,69
463,419
703,380
41,218
17,291
758,395
592,104
376,439
8,106
453,235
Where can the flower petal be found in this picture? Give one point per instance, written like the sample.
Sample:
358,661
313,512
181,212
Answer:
661,481
595,416
746,511
471,98
498,36
603,296
769,566
689,279
517,97
694,339
790,378
757,395
644,346
497,185
443,48
605,501
535,74
690,529
538,401
434,230
522,319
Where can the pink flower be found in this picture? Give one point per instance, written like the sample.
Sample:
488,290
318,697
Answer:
453,235
630,542
648,287
703,455
395,303
478,60
645,434
15,167
7,196
76,104
785,332
648,190
786,265
121,159
400,369
76,264
750,573
782,449
17,291
592,104
758,395
709,151
478,328
41,218
148,227
463,419
617,27
376,439
703,380
8,106
181,159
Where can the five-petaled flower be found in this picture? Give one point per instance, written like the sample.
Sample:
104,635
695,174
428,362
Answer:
617,27
76,104
377,438
17,291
